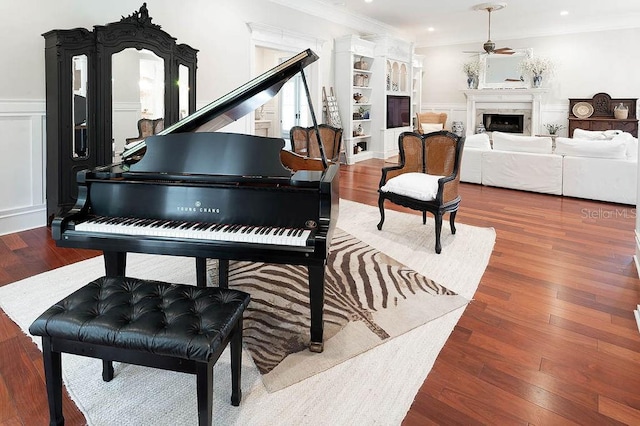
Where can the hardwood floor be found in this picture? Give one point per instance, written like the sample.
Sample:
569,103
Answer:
549,338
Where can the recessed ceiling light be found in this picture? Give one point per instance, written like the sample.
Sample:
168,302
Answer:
564,13
368,1
431,29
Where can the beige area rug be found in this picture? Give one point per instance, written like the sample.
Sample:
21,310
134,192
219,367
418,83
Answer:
369,299
375,387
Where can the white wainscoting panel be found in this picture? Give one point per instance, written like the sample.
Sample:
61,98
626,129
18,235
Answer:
22,165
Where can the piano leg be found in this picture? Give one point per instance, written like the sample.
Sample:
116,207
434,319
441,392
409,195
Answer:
316,299
115,263
201,271
223,273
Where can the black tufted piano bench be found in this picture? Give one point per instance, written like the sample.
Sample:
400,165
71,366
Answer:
170,326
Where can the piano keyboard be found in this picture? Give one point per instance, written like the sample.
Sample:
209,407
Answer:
196,230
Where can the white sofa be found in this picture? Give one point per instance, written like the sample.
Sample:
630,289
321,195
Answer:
522,162
596,165
600,169
471,166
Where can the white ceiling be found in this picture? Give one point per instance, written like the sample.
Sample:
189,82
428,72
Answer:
455,21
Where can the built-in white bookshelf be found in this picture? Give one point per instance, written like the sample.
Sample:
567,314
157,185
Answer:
354,91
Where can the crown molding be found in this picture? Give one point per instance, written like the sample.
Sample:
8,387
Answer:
339,15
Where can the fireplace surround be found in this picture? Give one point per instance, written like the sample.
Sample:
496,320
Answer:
524,102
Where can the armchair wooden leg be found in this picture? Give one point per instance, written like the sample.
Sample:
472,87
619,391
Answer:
381,206
452,220
438,217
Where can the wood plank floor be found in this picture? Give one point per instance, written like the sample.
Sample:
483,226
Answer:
549,338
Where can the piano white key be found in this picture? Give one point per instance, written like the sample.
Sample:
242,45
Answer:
197,230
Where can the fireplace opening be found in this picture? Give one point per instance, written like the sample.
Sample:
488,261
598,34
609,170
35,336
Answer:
508,123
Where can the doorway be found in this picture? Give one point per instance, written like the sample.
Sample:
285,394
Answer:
290,107
294,106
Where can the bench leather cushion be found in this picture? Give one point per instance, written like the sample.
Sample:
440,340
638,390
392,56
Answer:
166,319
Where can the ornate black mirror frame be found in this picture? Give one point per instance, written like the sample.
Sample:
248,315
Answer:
61,46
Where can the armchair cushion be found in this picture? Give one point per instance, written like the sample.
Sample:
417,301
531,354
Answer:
591,148
420,186
519,143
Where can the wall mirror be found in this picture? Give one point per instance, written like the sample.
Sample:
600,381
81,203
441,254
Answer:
137,93
503,71
79,136
99,84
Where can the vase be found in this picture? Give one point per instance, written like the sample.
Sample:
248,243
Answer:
621,112
480,128
458,128
472,82
537,80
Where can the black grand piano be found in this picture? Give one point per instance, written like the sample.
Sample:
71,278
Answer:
192,191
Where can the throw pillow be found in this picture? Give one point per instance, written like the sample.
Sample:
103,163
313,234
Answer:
595,134
420,186
431,127
591,148
630,142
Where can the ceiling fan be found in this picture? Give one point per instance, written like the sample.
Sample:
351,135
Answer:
489,46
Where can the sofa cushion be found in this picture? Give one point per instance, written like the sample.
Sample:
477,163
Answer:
595,134
613,180
420,186
478,141
523,170
591,148
520,143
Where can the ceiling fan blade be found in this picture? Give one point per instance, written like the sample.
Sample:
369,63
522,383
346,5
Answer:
504,51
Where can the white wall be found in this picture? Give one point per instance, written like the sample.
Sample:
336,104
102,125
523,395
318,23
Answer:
218,29
585,64
588,63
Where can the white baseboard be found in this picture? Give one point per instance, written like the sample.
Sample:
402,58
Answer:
22,219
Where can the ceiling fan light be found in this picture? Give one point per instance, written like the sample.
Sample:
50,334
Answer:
489,46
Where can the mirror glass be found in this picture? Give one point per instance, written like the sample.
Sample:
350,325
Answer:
137,93
503,71
80,143
183,91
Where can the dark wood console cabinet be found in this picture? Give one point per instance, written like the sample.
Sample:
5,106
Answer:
79,107
602,117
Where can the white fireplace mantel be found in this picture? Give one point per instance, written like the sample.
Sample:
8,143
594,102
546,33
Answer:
507,99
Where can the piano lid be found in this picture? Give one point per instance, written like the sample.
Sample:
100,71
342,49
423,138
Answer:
237,103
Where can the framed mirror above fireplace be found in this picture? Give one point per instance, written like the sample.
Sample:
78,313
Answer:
503,71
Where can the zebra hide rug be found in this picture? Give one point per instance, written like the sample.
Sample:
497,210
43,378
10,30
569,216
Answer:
369,299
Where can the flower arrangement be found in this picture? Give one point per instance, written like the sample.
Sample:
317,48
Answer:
553,128
471,68
536,65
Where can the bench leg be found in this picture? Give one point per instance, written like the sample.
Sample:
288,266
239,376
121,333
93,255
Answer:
204,380
236,364
107,370
53,377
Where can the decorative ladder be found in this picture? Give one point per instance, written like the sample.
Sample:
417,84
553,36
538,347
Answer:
332,115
